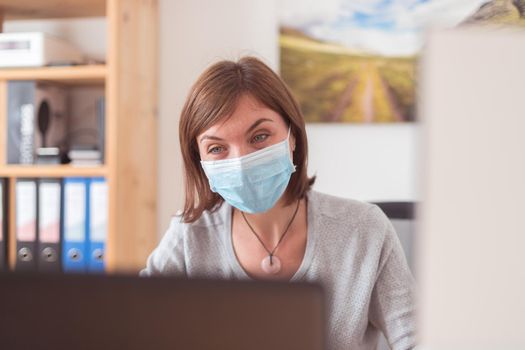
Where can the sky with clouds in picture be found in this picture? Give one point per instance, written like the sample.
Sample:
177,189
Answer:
386,27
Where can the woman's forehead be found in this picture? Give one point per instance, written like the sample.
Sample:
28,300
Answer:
247,111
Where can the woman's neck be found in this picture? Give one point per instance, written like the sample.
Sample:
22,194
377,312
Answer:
271,224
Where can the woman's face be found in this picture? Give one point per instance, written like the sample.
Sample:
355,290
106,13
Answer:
251,127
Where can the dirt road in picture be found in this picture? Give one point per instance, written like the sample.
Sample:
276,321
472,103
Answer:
367,98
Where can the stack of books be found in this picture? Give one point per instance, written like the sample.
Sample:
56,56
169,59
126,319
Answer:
85,156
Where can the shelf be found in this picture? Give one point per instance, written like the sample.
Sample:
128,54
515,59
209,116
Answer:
73,75
130,84
51,171
38,9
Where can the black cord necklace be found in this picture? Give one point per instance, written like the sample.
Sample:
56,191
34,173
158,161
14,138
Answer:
272,264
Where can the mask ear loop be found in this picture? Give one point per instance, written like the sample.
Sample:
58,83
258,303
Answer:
293,149
288,137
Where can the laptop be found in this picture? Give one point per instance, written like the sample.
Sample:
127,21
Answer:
128,312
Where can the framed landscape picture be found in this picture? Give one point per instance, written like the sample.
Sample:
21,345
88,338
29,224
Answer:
355,61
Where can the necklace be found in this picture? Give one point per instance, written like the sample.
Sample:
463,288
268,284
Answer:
272,264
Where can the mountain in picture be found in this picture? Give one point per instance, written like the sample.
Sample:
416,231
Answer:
504,12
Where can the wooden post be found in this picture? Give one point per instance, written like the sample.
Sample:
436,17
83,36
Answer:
132,116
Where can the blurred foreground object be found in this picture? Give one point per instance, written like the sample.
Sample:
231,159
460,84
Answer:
129,312
472,232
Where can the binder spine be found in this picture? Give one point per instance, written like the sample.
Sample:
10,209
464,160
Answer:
49,225
74,249
3,224
26,224
98,224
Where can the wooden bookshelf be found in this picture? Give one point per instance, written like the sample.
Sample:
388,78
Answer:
40,9
36,171
75,75
130,80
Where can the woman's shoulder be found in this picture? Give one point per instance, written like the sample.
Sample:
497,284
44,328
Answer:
209,220
338,207
183,242
211,217
348,213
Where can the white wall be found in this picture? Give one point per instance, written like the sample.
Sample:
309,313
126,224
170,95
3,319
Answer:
371,162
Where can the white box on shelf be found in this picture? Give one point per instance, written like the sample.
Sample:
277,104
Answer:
36,49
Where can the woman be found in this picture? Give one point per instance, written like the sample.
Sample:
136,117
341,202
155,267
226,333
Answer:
250,212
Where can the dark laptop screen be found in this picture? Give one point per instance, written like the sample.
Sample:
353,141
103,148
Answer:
101,312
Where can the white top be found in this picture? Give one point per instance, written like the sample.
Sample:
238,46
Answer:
352,250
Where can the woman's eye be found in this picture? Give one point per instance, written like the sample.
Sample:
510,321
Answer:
260,137
215,150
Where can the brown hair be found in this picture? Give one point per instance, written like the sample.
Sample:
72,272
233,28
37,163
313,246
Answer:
212,98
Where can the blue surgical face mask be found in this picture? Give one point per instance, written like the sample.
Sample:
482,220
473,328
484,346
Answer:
252,183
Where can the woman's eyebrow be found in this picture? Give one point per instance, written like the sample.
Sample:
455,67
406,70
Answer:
254,125
209,137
